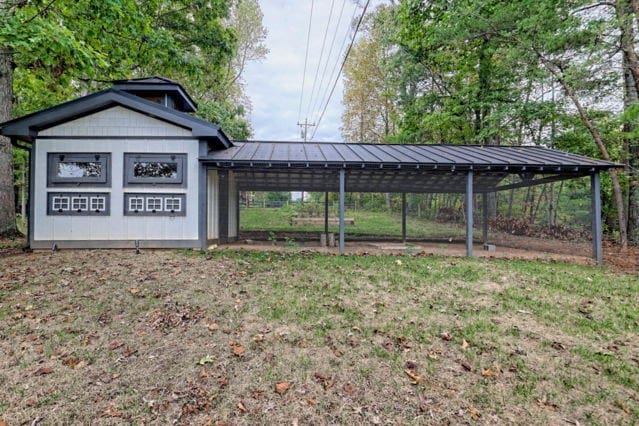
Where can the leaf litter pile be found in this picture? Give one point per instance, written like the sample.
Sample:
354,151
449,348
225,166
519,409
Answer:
239,337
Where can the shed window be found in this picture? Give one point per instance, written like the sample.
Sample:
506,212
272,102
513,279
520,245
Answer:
78,169
60,204
78,204
155,169
172,204
136,204
98,203
153,204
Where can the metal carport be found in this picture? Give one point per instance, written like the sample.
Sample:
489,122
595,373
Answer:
347,167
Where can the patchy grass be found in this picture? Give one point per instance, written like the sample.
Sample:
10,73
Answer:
366,223
192,337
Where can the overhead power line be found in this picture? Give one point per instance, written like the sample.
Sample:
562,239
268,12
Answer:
308,39
320,100
359,23
321,56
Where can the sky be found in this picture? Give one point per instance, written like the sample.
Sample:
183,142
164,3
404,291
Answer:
274,84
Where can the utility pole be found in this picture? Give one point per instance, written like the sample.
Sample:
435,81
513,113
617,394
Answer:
304,129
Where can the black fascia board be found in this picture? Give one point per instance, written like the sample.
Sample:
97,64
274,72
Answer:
27,127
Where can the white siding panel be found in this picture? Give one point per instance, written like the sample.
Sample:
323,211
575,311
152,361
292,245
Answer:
116,226
116,121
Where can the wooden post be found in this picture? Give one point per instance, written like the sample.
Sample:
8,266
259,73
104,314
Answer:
342,186
469,213
595,190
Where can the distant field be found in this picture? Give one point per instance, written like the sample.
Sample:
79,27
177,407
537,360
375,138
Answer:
244,338
366,223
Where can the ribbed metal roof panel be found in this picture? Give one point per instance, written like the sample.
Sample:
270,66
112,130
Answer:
321,153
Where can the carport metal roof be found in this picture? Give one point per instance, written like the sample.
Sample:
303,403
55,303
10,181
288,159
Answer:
288,166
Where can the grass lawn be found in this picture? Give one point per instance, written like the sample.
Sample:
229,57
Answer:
226,337
366,223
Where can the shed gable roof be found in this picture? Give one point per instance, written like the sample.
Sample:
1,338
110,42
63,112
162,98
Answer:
26,128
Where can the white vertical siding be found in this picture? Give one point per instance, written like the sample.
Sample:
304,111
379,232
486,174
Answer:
116,226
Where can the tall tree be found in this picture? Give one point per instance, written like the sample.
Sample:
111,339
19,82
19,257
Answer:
368,105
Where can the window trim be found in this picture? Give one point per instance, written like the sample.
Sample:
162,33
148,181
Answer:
131,158
71,196
54,158
146,197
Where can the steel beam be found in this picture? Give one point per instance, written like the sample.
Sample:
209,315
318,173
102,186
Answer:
595,190
342,187
326,216
469,213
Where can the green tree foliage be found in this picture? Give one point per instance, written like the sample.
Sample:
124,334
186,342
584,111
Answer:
62,49
517,72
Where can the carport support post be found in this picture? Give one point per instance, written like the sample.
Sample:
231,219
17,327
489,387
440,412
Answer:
595,190
403,217
469,213
342,186
326,216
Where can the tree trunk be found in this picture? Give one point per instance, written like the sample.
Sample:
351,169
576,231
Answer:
624,10
594,132
7,195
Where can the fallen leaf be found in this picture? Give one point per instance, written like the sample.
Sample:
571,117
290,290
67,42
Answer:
466,365
558,346
3,423
115,345
411,365
128,352
415,378
134,290
205,372
349,389
71,362
212,326
474,413
242,407
446,336
205,360
257,394
487,372
223,381
547,405
42,371
237,350
464,345
282,387
112,412
326,382
311,402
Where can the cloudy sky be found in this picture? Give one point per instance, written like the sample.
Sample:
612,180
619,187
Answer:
275,84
